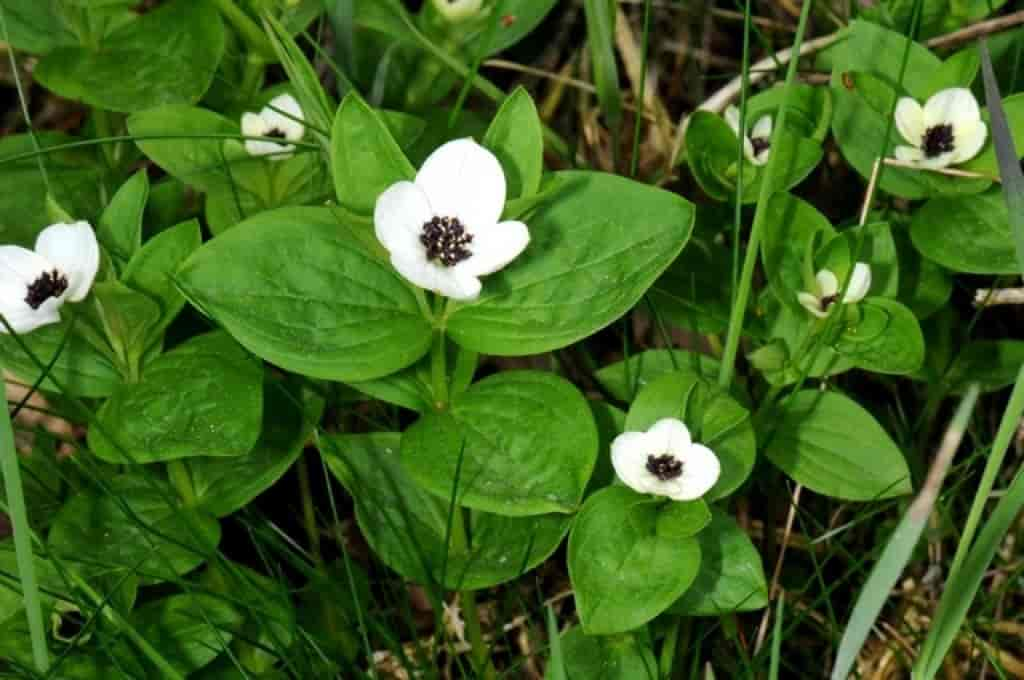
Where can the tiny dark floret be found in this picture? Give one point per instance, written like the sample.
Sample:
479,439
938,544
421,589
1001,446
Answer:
760,144
48,285
276,133
937,140
665,466
445,239
71,624
827,301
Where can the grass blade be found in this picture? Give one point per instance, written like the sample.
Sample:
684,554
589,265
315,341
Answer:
901,545
601,39
556,660
1009,167
777,635
968,570
22,539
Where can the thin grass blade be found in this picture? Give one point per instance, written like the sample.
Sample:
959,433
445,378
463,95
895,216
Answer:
601,39
1009,166
898,550
22,539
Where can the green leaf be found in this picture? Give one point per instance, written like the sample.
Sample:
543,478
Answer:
36,27
624,379
128,318
593,253
408,528
189,630
80,369
519,443
166,56
516,137
203,398
158,539
986,162
808,111
290,413
412,387
887,338
711,152
624,570
714,417
75,178
152,268
731,577
606,657
830,444
189,144
872,244
990,364
258,184
265,280
790,327
365,158
967,234
925,287
120,225
793,230
525,16
873,49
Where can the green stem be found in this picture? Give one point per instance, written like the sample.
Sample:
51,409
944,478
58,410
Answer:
739,307
182,481
11,467
105,129
1007,429
250,31
467,600
439,370
309,511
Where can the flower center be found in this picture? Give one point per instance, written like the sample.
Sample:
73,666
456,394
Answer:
938,139
827,301
276,133
445,239
70,624
48,285
665,466
760,144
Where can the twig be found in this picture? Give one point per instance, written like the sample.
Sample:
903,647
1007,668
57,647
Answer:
870,193
762,630
977,30
990,297
952,172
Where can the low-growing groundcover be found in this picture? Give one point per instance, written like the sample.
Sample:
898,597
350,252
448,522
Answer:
336,347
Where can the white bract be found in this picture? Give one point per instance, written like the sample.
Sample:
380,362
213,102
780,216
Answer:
821,300
947,130
664,461
442,230
272,121
757,145
35,284
457,10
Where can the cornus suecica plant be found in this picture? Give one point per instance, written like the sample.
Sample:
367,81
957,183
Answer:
280,119
664,461
443,230
757,143
947,130
36,283
509,335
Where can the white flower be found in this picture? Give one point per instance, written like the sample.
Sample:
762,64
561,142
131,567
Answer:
820,301
756,145
442,230
272,121
948,130
664,461
34,284
457,10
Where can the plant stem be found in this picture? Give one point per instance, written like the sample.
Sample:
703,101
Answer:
250,31
439,370
467,600
22,540
309,511
739,307
182,481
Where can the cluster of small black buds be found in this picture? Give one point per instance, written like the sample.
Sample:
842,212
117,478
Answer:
937,140
48,285
665,466
445,240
